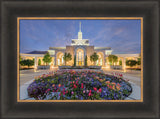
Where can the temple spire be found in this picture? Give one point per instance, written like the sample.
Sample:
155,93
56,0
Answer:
80,33
79,26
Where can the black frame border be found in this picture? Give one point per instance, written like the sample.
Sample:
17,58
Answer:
11,9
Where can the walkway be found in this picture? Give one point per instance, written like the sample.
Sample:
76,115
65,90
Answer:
134,78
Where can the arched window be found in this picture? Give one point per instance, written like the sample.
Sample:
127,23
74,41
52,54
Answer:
100,59
60,60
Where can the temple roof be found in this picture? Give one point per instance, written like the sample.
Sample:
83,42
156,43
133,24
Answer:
37,52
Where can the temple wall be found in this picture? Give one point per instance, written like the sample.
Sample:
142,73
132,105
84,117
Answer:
70,49
89,52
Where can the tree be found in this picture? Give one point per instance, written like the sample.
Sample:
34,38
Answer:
112,59
27,62
94,58
105,60
67,57
86,61
120,62
20,58
47,58
139,61
131,63
75,60
22,63
39,62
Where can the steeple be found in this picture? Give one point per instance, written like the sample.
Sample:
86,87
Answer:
80,33
80,41
79,26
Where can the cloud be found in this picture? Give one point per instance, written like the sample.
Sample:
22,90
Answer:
120,35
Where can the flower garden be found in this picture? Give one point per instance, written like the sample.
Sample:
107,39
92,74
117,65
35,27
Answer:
79,85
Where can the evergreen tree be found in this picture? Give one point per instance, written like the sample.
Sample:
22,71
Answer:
75,60
86,60
39,62
120,62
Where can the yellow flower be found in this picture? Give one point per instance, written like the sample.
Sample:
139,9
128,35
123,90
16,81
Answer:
118,88
113,83
107,82
113,87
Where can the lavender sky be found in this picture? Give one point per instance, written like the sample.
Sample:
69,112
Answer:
123,36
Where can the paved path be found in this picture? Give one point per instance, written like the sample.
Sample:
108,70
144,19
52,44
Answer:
134,78
26,78
27,75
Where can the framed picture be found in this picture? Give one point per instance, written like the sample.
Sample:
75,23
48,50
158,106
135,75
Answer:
72,59
91,73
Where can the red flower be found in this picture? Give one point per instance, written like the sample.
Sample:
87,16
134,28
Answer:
118,85
110,87
76,82
95,89
63,92
81,85
74,86
90,91
100,90
89,94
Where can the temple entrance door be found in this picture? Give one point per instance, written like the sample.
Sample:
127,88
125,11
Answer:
80,57
79,63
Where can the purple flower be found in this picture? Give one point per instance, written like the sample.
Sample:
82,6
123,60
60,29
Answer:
72,92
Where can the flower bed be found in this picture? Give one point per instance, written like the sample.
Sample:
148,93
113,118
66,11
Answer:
79,67
79,85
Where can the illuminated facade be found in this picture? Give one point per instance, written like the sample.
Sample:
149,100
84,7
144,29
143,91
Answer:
79,49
